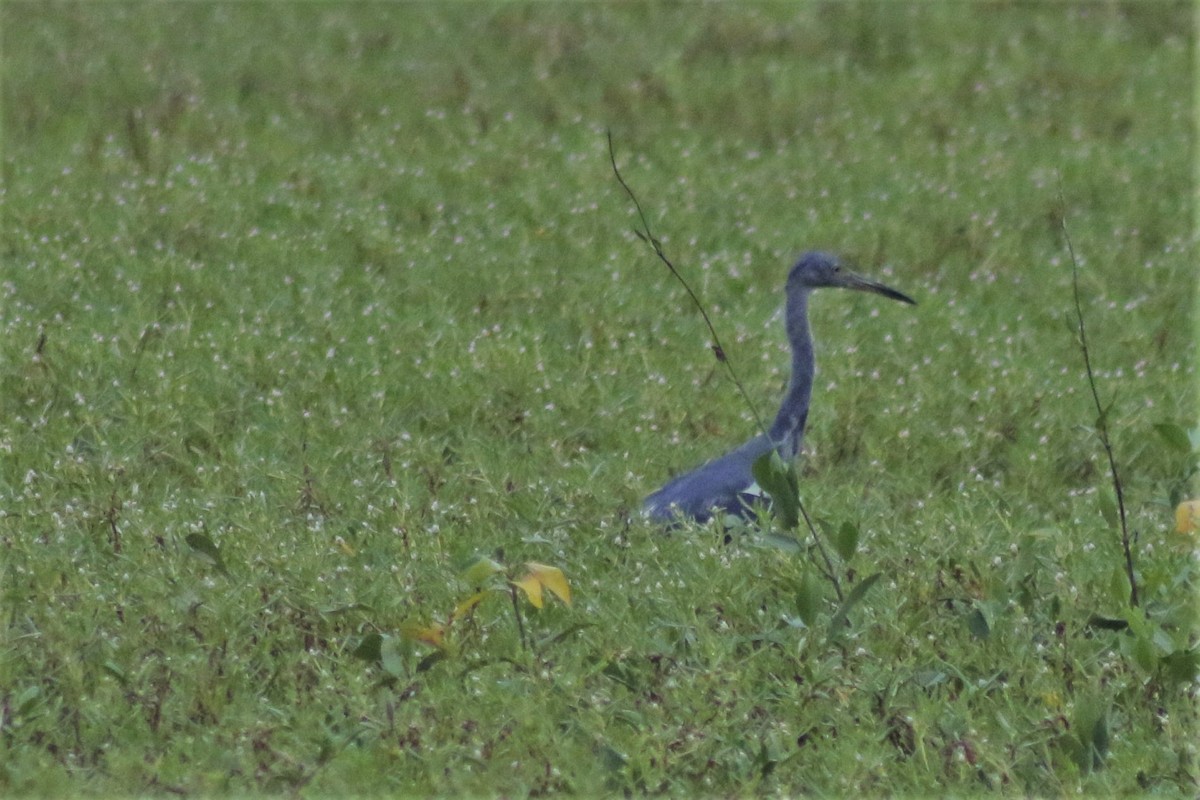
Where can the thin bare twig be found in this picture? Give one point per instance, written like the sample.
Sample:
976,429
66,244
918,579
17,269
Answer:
649,238
1101,412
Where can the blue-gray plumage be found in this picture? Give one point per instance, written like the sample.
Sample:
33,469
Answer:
722,484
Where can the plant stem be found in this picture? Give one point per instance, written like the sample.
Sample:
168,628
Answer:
512,591
1101,413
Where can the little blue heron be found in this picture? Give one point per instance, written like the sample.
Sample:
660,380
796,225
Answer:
722,484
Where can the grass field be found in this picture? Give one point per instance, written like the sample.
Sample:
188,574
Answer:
307,307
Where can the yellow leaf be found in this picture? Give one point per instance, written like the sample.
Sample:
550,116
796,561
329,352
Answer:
532,588
1187,517
553,579
433,634
345,548
468,605
1052,700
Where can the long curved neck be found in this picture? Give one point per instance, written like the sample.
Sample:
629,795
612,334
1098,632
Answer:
787,431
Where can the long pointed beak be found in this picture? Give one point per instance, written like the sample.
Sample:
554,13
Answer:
858,282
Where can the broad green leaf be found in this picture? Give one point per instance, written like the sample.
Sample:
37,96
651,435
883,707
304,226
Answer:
27,700
1091,729
930,677
200,543
1162,640
1175,437
430,660
1143,652
479,571
369,648
780,483
764,761
1182,666
808,599
1118,586
788,544
611,759
977,624
842,618
391,655
845,542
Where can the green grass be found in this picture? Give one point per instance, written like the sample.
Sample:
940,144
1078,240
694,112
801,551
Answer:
349,291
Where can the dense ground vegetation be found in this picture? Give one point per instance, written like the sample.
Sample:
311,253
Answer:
304,308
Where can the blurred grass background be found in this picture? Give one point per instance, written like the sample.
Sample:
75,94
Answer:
349,289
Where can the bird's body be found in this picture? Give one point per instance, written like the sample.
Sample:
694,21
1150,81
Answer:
725,484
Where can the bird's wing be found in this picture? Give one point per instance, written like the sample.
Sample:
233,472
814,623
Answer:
717,484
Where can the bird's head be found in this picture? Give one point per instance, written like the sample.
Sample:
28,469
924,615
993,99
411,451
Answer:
815,270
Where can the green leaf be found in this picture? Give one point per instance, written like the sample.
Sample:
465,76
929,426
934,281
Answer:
370,648
808,599
977,624
1144,653
1091,729
780,483
1100,741
842,617
1174,436
27,700
344,609
205,547
479,570
429,661
1162,640
764,761
116,670
611,759
1118,586
391,655
845,541
1181,666
789,544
